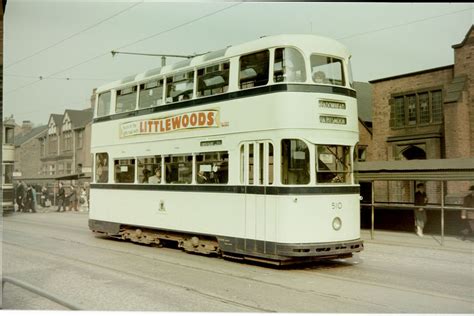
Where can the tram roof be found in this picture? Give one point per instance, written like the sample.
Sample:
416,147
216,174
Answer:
309,42
429,169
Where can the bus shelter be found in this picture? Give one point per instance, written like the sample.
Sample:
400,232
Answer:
440,170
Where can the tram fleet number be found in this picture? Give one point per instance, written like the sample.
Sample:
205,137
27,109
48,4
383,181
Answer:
336,206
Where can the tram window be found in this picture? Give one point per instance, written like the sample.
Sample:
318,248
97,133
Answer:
349,70
294,162
124,170
333,164
212,168
243,163
270,163
327,70
126,100
213,80
251,164
254,69
7,174
151,94
103,105
179,169
149,169
288,66
180,87
102,168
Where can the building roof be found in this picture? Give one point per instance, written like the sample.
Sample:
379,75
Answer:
413,73
424,169
23,138
364,100
466,38
58,119
80,118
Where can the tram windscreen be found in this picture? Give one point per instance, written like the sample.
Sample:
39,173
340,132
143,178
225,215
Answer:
333,164
327,70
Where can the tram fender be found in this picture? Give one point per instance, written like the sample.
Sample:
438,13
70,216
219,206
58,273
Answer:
104,227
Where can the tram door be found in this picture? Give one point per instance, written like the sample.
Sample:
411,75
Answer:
257,173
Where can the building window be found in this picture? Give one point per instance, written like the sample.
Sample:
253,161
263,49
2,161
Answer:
361,152
419,108
254,69
80,139
42,146
67,141
53,144
9,135
52,170
7,174
68,168
60,168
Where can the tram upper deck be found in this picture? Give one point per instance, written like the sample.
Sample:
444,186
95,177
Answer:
275,82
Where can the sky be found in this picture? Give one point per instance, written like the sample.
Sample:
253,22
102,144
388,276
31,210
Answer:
56,52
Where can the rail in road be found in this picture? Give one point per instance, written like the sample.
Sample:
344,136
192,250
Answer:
383,278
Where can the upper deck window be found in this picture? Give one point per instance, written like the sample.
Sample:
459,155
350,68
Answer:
151,94
126,100
327,70
254,69
180,87
288,66
103,105
213,80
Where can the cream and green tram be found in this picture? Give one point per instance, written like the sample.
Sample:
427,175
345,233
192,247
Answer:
245,152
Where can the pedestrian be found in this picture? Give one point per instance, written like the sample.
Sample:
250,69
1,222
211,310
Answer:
420,212
44,196
61,198
31,199
21,195
468,215
72,198
83,200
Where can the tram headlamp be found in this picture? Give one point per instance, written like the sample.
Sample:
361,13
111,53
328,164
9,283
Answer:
336,223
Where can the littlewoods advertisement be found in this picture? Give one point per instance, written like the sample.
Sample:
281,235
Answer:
199,119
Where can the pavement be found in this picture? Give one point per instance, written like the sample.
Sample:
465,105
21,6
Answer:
432,241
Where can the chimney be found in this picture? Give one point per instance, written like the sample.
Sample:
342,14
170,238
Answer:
26,126
93,97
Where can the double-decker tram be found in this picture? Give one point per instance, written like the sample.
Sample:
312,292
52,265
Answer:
245,152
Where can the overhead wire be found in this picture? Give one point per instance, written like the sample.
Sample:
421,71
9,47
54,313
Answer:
129,44
74,35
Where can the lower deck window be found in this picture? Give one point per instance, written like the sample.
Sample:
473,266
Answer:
179,169
212,168
149,169
294,162
333,164
102,168
124,170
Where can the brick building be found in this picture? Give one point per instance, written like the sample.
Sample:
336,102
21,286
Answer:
427,114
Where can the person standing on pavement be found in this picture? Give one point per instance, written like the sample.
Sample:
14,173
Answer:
21,195
61,198
420,213
468,215
72,198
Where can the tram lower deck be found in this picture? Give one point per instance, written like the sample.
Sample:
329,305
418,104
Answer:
274,227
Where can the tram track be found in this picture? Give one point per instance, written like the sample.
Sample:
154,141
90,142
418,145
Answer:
139,276
241,277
